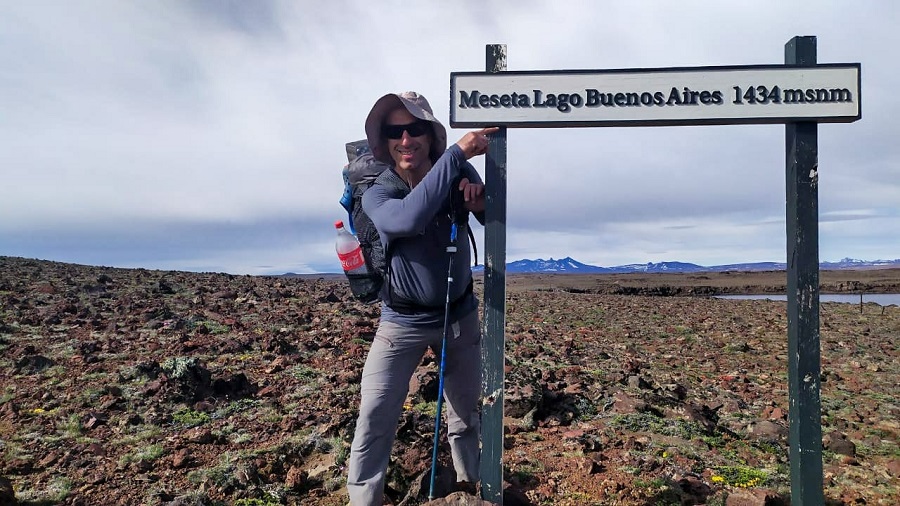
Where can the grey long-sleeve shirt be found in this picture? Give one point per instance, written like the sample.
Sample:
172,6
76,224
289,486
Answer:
417,229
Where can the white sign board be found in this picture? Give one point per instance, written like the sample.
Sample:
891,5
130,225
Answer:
673,96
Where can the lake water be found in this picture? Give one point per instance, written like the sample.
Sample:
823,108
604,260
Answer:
883,299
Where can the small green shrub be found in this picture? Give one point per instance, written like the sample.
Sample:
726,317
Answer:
341,451
647,422
527,471
56,491
71,427
222,475
241,438
238,406
655,483
334,484
190,418
148,453
256,502
138,434
59,488
179,367
586,409
208,327
304,372
425,408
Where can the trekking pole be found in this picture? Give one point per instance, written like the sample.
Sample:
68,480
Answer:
459,215
437,417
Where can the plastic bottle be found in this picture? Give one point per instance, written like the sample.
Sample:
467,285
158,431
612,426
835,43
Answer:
349,251
354,264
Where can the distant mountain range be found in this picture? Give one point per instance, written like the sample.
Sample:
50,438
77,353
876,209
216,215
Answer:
571,266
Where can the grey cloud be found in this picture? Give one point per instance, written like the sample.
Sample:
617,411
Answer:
148,242
256,18
210,134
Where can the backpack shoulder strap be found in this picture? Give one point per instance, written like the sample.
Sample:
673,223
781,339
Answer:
391,180
461,215
398,187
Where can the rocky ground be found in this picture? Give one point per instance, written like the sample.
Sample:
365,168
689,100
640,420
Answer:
148,387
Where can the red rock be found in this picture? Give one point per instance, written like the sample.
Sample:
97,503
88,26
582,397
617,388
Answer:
197,435
109,403
295,478
8,411
624,404
694,486
152,387
577,388
349,376
765,430
93,420
589,466
19,466
458,499
849,461
141,466
181,458
45,288
838,443
893,468
269,391
204,406
754,497
7,493
48,460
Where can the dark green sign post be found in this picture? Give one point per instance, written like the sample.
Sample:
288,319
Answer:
494,303
800,94
804,411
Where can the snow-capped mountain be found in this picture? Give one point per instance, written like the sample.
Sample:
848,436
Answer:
852,263
563,265
569,265
660,267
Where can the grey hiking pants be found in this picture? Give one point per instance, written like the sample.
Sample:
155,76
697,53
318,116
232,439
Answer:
393,357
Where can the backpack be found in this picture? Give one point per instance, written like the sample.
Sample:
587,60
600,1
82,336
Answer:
360,173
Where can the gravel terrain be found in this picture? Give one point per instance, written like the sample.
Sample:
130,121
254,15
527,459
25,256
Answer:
135,386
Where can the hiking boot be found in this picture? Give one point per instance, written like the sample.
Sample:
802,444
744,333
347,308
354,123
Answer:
467,487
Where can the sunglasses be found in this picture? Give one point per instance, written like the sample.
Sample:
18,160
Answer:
414,129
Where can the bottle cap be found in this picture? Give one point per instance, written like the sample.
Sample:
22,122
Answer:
339,224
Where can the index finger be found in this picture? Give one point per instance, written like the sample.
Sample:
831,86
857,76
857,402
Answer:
489,130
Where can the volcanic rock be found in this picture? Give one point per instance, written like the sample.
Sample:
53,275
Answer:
7,494
838,443
33,364
459,499
754,497
520,399
766,430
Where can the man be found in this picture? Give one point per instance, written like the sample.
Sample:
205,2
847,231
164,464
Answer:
414,225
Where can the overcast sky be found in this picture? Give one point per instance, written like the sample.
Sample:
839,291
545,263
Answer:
209,135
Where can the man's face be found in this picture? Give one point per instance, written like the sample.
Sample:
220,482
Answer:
411,145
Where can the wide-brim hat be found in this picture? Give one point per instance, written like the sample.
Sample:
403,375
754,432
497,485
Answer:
418,106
